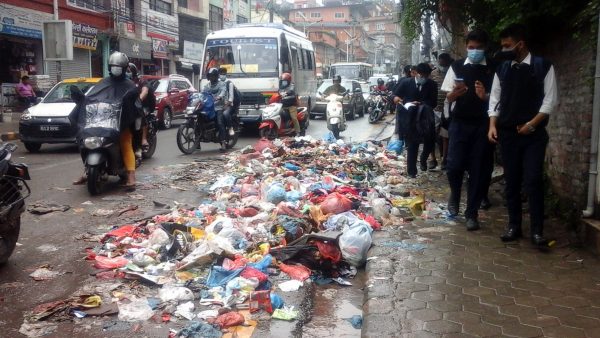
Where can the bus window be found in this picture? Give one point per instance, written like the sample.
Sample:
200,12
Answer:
244,57
304,59
284,55
295,57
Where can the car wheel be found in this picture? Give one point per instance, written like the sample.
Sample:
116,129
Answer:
352,112
167,121
363,110
33,147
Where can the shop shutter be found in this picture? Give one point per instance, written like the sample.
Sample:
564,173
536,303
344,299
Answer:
80,66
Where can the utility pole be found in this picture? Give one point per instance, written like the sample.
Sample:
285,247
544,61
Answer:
58,64
270,5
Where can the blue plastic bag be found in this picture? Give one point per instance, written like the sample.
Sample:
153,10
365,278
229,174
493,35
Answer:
276,301
329,137
219,276
263,264
396,145
293,195
276,193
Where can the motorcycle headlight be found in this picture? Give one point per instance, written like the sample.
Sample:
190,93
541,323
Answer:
93,142
26,116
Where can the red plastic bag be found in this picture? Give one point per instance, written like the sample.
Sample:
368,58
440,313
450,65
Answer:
375,225
261,300
329,250
297,272
335,204
124,231
248,212
263,144
344,190
249,189
103,262
239,262
249,272
230,319
284,209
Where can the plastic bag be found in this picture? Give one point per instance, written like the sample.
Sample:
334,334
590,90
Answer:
136,310
396,146
276,301
342,221
355,243
220,276
177,293
297,272
242,284
263,264
335,204
380,207
103,262
250,272
293,195
329,251
276,193
230,319
262,144
260,300
249,189
223,182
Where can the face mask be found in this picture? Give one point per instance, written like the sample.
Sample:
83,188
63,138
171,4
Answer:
475,55
283,84
443,69
129,75
116,70
507,54
223,78
421,80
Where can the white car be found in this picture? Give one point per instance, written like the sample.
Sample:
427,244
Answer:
48,121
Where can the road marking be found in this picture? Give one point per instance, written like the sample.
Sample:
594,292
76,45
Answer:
49,166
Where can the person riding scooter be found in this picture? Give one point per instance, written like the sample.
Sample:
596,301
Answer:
336,87
289,100
148,99
110,89
218,89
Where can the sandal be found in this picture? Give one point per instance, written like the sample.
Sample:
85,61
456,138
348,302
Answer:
129,187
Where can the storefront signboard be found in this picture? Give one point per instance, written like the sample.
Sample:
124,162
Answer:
159,49
85,36
22,22
162,26
135,48
192,50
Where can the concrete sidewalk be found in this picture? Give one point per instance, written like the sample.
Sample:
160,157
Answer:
432,278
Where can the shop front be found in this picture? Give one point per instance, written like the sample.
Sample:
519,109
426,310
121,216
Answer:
140,54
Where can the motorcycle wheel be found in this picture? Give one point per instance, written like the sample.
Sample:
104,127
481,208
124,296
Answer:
9,237
268,133
93,180
150,152
33,147
374,116
335,129
187,141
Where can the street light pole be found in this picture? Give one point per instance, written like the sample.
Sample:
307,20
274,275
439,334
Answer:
58,64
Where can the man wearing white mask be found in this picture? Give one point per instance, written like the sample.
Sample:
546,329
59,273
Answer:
468,84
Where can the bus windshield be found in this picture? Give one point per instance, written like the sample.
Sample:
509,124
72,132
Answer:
243,57
349,71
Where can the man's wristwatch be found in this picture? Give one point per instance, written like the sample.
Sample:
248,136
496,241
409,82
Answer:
530,127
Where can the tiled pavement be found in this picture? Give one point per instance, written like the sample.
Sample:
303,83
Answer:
470,284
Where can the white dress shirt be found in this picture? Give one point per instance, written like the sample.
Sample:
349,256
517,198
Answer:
550,91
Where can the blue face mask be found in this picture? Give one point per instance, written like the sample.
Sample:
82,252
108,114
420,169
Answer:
476,55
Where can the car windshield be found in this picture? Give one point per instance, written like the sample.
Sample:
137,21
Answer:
163,86
62,92
328,83
244,57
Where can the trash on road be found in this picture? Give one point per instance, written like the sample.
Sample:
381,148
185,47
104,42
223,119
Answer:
43,207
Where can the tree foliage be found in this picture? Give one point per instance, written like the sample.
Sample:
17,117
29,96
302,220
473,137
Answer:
544,17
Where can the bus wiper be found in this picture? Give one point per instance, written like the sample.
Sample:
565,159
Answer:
239,48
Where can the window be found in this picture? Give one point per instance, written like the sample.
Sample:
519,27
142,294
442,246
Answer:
309,60
161,6
182,3
241,19
315,14
339,15
380,27
215,18
299,15
87,4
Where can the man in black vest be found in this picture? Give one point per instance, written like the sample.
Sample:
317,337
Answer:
468,82
421,91
523,94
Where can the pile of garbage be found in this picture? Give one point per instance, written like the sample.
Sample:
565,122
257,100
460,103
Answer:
281,215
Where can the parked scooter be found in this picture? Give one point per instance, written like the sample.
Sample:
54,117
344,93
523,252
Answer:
13,191
201,124
378,105
276,121
336,119
99,146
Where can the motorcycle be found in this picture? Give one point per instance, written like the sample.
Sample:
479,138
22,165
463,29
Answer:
152,125
13,192
334,113
379,103
99,144
201,124
276,120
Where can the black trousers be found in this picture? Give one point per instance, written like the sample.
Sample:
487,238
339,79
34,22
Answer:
469,150
523,160
412,152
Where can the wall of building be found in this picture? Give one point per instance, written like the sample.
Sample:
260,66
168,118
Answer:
320,13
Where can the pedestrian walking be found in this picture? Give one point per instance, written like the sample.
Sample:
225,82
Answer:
438,75
416,121
524,94
468,83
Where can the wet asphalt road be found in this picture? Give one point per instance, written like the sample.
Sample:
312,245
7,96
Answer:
52,239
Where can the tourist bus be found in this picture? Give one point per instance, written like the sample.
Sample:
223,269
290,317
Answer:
255,55
352,70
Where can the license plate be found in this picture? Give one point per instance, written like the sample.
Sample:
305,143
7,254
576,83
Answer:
49,128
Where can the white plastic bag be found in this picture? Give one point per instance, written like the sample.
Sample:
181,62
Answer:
137,310
177,293
355,243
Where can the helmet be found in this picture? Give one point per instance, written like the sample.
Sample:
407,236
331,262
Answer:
133,69
285,80
212,74
380,82
118,59
337,78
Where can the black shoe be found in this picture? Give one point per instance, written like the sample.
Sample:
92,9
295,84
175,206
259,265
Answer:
472,224
412,176
511,235
223,147
485,204
432,164
540,242
453,207
423,166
